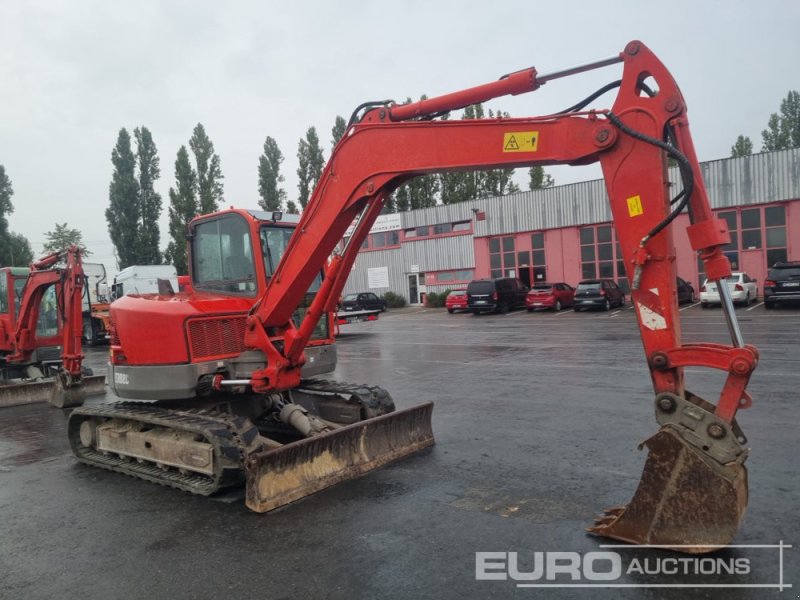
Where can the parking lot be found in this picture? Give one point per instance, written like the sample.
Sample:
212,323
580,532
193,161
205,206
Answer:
537,421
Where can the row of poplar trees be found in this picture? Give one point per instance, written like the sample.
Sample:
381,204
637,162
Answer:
134,205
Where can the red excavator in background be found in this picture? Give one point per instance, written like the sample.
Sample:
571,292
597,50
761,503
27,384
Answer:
231,362
40,333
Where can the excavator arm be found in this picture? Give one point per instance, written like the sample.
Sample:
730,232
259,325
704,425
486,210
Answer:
693,490
64,271
390,144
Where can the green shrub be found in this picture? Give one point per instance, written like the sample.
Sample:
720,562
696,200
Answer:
394,300
434,300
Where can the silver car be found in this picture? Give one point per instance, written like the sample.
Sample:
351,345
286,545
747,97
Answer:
743,290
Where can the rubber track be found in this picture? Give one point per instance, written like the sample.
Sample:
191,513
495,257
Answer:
230,436
374,400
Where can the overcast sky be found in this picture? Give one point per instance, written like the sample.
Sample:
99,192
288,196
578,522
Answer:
73,73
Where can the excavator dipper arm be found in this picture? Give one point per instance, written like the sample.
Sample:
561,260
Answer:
693,491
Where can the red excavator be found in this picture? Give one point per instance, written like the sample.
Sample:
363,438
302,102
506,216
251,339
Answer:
40,333
229,364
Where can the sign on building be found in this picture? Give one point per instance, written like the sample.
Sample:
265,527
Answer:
390,222
378,277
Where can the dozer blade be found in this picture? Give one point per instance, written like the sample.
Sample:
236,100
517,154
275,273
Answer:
685,500
46,391
283,475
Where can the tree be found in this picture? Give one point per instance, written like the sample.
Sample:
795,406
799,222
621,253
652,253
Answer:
339,127
783,130
15,249
148,252
6,191
463,186
742,147
123,211
539,180
182,209
311,161
291,208
209,172
269,164
20,253
62,237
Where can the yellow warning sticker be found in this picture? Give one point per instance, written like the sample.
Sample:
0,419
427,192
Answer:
635,206
520,141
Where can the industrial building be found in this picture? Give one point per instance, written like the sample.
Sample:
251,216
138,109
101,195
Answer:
564,233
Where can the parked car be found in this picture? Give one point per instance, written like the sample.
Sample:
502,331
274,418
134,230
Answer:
456,300
685,292
598,293
743,290
550,295
496,295
363,301
782,284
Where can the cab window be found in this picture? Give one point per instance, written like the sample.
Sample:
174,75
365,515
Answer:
47,324
223,256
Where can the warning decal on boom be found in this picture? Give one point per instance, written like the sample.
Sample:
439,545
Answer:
520,141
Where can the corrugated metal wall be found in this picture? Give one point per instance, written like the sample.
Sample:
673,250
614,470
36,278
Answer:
765,177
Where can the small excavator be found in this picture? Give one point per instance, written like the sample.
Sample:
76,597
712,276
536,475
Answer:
221,381
40,333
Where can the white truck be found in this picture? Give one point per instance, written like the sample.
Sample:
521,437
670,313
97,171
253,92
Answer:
144,279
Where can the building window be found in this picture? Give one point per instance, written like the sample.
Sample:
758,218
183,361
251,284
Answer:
461,275
601,255
502,257
438,229
753,229
384,239
538,261
775,233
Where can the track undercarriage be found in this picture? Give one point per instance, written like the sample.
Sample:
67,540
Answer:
205,446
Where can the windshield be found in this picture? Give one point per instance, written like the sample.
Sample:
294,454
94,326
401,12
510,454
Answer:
350,297
591,285
274,240
543,287
273,243
458,292
19,288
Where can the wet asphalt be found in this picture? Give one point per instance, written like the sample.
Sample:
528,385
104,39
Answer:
537,421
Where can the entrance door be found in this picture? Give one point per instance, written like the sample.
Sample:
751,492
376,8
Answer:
754,263
413,288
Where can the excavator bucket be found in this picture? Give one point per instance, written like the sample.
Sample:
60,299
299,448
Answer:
280,476
685,501
53,391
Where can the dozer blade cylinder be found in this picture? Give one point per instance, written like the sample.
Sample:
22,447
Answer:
45,391
685,501
283,475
